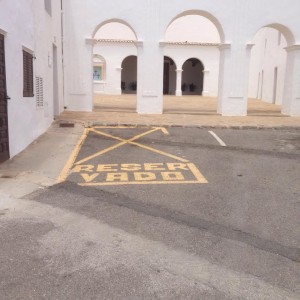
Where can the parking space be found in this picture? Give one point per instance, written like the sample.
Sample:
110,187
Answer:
120,155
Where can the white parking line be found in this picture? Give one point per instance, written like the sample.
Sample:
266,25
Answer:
218,139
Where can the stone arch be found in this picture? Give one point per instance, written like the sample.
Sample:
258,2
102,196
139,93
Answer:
205,14
114,20
286,32
192,76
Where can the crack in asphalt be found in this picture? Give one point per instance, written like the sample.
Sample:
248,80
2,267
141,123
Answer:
291,253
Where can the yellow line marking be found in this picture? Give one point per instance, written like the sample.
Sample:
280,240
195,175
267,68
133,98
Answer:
164,130
138,145
115,146
197,173
108,135
70,162
138,182
159,152
117,127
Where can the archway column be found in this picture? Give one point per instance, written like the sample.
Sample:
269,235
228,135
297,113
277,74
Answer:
178,82
233,79
291,93
78,91
118,90
205,91
149,78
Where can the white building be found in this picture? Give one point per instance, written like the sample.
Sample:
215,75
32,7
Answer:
190,58
237,22
268,66
31,89
156,52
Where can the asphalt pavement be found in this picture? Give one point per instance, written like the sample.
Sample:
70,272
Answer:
157,213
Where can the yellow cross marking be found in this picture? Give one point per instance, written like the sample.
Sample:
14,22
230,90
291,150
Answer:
131,142
121,142
65,171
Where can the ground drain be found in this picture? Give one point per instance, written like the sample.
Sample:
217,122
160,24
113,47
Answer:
66,124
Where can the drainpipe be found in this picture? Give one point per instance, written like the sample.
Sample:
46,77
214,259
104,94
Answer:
62,52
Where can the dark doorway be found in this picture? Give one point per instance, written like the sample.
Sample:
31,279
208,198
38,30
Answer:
166,77
4,148
169,76
129,75
192,77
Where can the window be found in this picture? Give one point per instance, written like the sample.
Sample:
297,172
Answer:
39,91
48,7
27,74
97,73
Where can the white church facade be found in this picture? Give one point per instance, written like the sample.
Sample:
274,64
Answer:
237,23
55,54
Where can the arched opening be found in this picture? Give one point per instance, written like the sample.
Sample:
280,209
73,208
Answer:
114,40
192,77
268,68
192,39
114,29
169,86
99,67
129,75
200,17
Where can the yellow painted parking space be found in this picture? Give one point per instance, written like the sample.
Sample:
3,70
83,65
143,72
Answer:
92,171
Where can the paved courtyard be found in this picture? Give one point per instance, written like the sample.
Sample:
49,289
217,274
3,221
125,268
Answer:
180,111
152,212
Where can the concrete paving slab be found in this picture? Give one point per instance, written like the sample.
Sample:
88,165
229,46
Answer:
40,163
187,111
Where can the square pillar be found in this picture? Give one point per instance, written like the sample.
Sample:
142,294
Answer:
117,89
233,79
205,91
150,78
291,93
78,74
178,82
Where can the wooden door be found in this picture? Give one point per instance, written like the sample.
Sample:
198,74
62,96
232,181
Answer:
4,148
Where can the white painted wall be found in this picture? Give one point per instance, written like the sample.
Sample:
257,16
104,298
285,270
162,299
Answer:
27,24
180,30
209,56
114,54
115,31
192,28
237,22
267,54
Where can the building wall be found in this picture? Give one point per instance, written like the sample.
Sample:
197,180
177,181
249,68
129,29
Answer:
209,56
267,54
179,31
114,54
237,22
27,24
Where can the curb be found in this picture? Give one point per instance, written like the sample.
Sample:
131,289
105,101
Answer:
87,124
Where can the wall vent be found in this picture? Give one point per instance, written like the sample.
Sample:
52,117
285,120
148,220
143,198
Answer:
39,91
